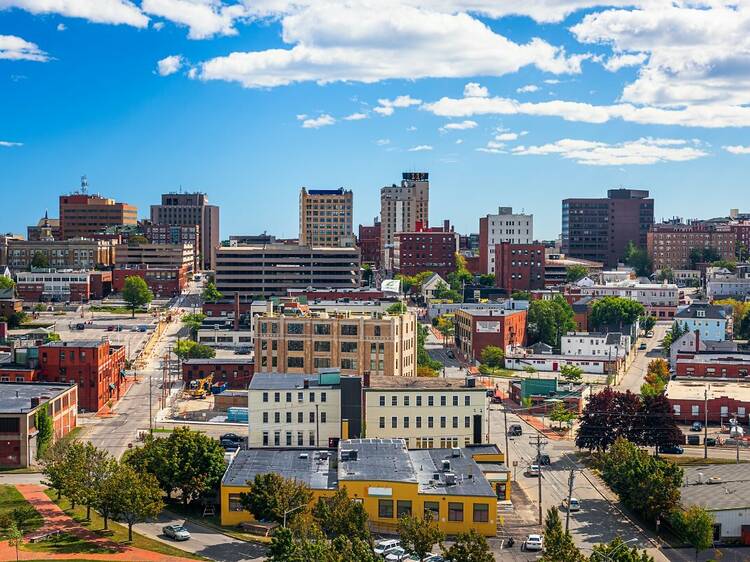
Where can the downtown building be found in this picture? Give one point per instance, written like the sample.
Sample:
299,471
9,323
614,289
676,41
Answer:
426,249
83,215
505,226
671,243
401,207
325,218
271,270
368,241
191,209
601,229
519,267
73,253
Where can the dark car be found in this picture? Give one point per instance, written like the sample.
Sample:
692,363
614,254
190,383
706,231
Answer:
710,442
544,459
697,426
231,437
693,440
671,449
515,430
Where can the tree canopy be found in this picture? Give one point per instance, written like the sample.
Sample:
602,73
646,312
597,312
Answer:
493,357
39,261
211,293
469,547
136,293
271,495
575,273
419,536
638,259
549,320
188,349
615,312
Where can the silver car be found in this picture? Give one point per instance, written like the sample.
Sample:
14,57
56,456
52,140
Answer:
176,532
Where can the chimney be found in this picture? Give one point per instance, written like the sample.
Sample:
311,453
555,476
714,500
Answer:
237,312
697,340
366,379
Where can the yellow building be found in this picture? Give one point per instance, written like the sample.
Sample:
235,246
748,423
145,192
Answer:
459,486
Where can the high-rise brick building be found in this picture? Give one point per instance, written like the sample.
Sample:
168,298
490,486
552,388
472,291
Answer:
519,267
325,217
600,229
401,206
505,226
426,249
369,243
192,209
670,244
83,215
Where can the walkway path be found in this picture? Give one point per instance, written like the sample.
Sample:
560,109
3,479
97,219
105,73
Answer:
55,519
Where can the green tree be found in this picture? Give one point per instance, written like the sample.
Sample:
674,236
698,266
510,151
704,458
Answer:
193,323
571,373
446,327
6,283
107,491
558,545
493,357
15,537
353,549
615,312
282,548
638,259
561,414
647,322
55,467
696,527
45,430
444,292
487,280
140,497
575,273
521,296
396,308
469,547
211,293
340,515
703,255
419,536
188,349
665,274
137,240
367,274
136,293
270,495
659,427
618,551
549,320
39,261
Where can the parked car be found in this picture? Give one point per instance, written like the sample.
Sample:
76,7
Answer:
671,449
693,439
80,326
433,558
515,430
231,437
650,334
110,328
643,346
451,354
697,426
575,505
397,554
533,542
176,532
710,442
533,470
382,547
544,459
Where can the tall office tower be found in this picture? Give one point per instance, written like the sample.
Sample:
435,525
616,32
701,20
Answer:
401,207
325,218
505,226
82,215
600,229
192,209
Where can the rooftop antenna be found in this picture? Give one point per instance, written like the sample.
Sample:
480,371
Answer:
84,184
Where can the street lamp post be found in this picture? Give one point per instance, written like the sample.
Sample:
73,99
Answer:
292,510
609,556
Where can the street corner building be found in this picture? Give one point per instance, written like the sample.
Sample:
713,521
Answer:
460,487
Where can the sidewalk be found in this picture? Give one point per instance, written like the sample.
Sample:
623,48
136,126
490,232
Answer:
55,519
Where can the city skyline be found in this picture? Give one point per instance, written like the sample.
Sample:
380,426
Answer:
585,98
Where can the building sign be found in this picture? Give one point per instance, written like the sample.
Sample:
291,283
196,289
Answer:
488,327
387,492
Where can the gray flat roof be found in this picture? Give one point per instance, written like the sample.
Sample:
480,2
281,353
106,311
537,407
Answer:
382,382
220,361
731,489
305,465
16,397
470,480
377,459
283,381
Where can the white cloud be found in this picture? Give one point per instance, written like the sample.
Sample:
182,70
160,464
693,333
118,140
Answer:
420,148
158,26
169,65
203,18
737,149
301,116
61,27
317,122
8,144
460,126
15,48
386,106
709,116
459,141
356,116
97,11
527,89
617,62
411,128
506,136
638,152
364,41
383,142
552,81
474,90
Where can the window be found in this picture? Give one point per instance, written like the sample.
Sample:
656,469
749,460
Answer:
430,422
377,331
295,345
312,397
300,417
234,503
443,401
419,400
403,508
432,509
349,330
288,396
349,364
695,410
394,422
312,417
265,417
455,511
323,396
455,400
382,422
455,422
265,439
394,400
276,438
289,417
265,397
676,409
442,421
385,509
277,397
348,347
300,439
323,346
288,438
382,400
467,421
295,362
277,417
322,417
322,329
406,400
418,422
406,422
430,400
294,328
467,400
321,362
311,438
481,513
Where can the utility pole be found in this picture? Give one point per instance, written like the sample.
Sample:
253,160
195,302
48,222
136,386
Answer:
705,422
539,444
507,447
150,414
571,478
317,427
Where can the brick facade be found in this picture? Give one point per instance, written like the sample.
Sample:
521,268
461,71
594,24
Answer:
519,267
237,373
475,330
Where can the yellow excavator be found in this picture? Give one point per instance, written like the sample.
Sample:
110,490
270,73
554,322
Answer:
200,388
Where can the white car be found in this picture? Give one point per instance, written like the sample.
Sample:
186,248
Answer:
176,532
575,505
383,547
533,470
396,554
533,542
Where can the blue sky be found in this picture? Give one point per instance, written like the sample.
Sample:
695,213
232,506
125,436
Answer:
504,103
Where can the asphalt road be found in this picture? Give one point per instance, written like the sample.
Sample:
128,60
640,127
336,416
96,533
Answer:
633,378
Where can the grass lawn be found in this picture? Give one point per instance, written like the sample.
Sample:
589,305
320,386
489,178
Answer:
488,372
11,499
25,470
117,309
65,543
117,533
682,460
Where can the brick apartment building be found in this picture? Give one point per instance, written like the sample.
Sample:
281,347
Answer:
236,373
19,404
164,282
49,285
83,215
369,243
519,267
476,329
74,253
505,226
426,249
669,244
600,229
710,365
722,401
96,366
